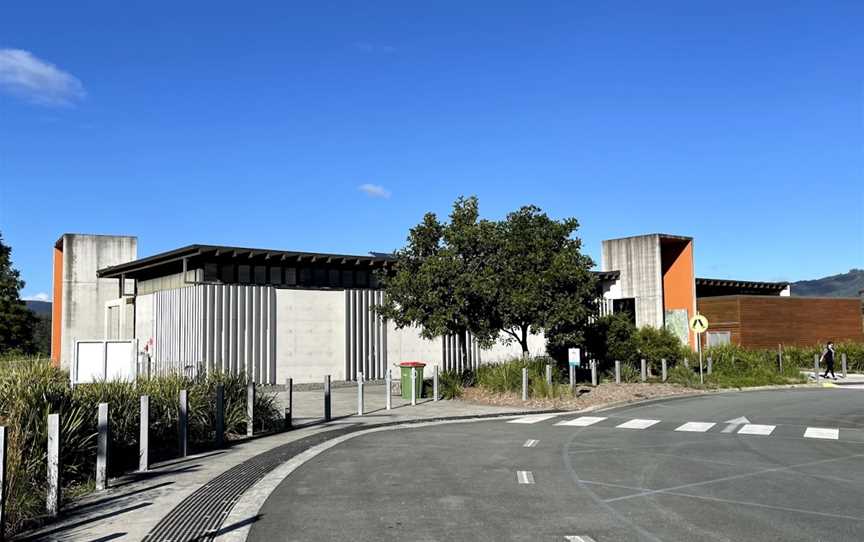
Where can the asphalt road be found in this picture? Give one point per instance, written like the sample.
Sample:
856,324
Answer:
463,481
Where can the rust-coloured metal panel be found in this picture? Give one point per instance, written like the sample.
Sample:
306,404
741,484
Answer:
57,307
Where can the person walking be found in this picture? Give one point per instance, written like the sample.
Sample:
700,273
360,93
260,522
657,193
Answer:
828,358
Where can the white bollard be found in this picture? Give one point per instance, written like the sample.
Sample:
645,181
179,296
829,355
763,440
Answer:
572,376
52,500
594,381
617,372
388,393
435,384
144,434
549,373
250,409
103,438
413,386
710,365
663,368
183,424
644,371
843,361
359,394
816,367
524,383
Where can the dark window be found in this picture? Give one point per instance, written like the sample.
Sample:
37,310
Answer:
276,275
243,274
260,274
211,272
305,276
362,277
334,278
348,278
320,276
626,305
291,276
373,280
226,273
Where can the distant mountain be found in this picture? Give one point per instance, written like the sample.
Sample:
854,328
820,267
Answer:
845,285
41,308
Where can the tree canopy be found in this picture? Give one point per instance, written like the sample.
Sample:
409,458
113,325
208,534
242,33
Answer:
17,322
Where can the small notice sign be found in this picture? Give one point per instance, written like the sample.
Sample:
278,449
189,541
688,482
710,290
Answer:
574,356
699,324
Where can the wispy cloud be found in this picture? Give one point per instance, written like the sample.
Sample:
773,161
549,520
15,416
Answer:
374,190
24,75
368,47
41,296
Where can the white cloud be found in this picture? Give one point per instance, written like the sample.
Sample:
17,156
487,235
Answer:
374,190
33,79
41,296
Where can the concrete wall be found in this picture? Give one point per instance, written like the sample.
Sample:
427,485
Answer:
638,260
310,335
169,282
83,296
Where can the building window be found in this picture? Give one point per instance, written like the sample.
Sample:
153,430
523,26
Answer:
362,278
226,273
347,278
305,276
320,276
335,277
276,275
260,274
291,276
211,272
243,274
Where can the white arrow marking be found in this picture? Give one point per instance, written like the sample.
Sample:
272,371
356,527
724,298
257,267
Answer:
734,423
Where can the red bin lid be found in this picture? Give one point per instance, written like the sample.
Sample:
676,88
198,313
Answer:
412,364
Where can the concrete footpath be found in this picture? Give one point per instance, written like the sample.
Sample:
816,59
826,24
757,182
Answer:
135,503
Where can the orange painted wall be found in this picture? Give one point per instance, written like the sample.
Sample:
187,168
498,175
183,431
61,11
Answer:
57,307
679,287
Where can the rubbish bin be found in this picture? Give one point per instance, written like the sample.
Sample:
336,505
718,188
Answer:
406,367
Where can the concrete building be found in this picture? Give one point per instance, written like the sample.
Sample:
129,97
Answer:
274,314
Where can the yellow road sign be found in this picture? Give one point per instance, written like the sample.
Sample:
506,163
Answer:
699,323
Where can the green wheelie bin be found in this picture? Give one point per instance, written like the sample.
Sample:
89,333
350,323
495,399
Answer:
405,368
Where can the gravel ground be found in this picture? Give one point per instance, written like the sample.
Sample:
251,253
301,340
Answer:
587,396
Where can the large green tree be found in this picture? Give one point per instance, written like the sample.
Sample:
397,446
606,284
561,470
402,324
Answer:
17,322
491,278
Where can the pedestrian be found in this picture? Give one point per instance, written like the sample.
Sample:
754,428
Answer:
828,358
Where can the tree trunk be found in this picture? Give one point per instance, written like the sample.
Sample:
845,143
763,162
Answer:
524,342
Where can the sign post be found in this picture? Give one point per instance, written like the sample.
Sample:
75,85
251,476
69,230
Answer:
699,324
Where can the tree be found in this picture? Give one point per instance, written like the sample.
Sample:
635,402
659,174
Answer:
543,281
17,322
612,338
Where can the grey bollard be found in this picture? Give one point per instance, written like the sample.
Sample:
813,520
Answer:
250,409
359,394
524,383
52,499
843,361
549,373
594,372
663,368
816,367
220,415
289,410
144,434
388,393
435,384
644,371
572,376
617,372
103,438
3,449
413,386
710,364
183,424
780,357
327,398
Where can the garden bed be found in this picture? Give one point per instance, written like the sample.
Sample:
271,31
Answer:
585,396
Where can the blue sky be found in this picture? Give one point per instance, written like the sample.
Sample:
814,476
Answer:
258,124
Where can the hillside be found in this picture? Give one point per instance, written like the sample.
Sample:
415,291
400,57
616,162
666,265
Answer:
844,285
41,308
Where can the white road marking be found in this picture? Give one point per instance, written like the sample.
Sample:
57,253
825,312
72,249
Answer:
582,421
524,476
738,421
696,427
822,432
637,424
530,443
533,418
756,429
575,538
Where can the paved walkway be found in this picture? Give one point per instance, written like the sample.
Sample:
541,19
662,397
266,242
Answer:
134,504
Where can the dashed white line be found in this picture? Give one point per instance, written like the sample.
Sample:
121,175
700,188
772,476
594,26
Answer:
533,418
530,443
582,421
696,427
524,476
756,429
822,432
637,423
575,538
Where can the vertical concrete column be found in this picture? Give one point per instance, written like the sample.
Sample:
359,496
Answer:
524,383
289,410
413,386
52,499
103,438
663,369
843,361
572,376
183,424
710,364
594,381
144,434
327,413
780,356
816,367
435,380
549,373
388,393
617,372
360,394
3,449
644,370
250,409
220,415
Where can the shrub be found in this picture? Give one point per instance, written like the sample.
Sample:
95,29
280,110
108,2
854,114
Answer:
656,344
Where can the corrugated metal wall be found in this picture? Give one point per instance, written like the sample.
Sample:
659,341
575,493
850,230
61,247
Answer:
224,328
365,335
451,355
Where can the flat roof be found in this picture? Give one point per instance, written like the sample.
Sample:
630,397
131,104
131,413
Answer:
742,284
